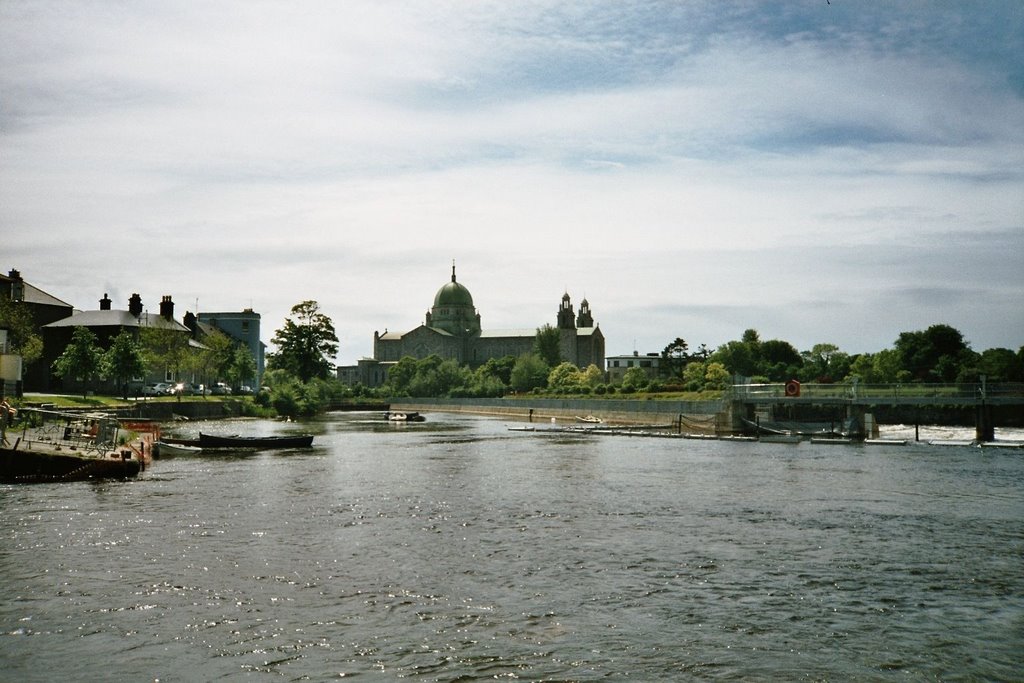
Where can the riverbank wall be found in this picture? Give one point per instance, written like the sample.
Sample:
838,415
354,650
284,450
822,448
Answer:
697,417
694,417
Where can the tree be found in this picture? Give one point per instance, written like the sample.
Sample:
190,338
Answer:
779,360
164,349
547,344
213,361
21,334
593,376
1000,365
933,355
401,375
565,377
124,360
82,359
675,356
529,372
825,363
693,375
307,344
500,368
635,378
738,357
241,367
716,376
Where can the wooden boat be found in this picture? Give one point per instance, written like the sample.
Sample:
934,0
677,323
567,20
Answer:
50,465
262,442
590,419
165,449
65,447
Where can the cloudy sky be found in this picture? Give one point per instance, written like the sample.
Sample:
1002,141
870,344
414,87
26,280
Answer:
820,171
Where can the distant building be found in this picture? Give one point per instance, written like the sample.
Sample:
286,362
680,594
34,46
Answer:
106,323
242,326
618,365
452,330
43,309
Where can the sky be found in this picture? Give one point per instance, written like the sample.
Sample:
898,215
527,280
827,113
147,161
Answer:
823,172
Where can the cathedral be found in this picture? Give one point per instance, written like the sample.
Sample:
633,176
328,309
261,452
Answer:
451,329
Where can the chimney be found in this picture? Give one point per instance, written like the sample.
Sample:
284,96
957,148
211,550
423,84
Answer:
135,305
191,323
17,286
167,308
105,302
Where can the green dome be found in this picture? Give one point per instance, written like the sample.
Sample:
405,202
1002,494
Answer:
453,294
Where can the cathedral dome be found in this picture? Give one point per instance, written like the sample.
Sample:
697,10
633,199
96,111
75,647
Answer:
453,294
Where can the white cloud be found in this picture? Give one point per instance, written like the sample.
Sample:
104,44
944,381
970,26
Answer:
644,156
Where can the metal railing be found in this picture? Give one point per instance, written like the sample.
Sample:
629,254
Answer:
856,391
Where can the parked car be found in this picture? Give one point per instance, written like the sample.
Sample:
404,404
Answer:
220,389
182,389
245,389
154,389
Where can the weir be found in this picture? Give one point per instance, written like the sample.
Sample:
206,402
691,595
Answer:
856,405
848,410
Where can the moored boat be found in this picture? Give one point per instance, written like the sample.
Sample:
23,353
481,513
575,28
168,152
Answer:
50,446
263,442
165,449
403,416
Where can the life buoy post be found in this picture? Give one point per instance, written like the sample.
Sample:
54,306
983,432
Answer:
792,388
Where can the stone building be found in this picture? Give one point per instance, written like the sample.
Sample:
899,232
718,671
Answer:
452,330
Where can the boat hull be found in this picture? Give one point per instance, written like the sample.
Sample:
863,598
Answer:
214,441
25,466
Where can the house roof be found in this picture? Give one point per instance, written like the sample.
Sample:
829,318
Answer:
34,295
117,319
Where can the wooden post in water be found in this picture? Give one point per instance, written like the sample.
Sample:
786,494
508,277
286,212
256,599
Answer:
984,427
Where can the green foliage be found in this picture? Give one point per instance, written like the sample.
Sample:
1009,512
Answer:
825,363
933,355
82,359
634,378
547,344
499,368
307,344
1001,365
716,376
164,349
241,366
565,378
529,373
675,356
21,330
124,360
693,376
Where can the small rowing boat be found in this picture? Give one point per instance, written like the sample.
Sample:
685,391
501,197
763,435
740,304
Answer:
262,442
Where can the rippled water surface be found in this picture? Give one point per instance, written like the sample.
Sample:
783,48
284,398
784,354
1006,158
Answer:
459,550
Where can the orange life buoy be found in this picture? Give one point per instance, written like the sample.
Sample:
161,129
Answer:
792,388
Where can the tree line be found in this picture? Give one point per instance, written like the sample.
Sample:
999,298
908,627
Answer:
153,350
300,377
307,343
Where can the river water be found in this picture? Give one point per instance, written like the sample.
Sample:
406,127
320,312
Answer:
458,550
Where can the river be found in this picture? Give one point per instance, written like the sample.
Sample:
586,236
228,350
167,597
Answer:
458,550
